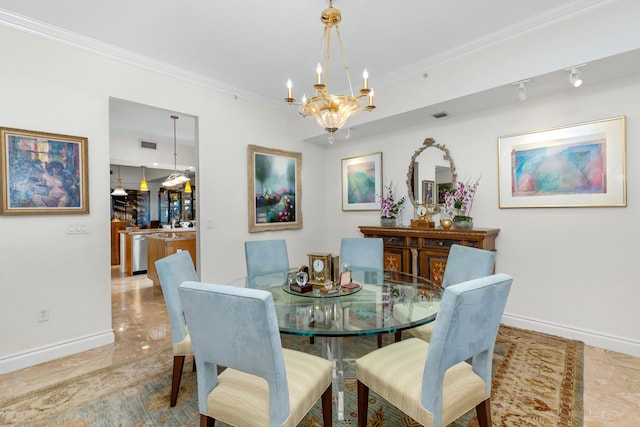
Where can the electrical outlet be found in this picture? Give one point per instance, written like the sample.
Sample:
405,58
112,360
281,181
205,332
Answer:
43,314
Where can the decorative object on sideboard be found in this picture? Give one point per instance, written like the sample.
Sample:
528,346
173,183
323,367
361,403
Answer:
332,111
389,207
445,221
458,203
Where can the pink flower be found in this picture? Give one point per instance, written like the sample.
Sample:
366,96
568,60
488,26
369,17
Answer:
460,201
389,208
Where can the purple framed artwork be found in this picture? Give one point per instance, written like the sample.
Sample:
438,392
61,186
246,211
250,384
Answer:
580,165
43,173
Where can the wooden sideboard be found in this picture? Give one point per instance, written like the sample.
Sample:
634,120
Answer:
424,251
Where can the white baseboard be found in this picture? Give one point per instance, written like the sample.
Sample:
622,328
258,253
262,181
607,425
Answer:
595,339
55,351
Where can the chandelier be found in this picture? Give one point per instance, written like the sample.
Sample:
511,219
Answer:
175,178
332,111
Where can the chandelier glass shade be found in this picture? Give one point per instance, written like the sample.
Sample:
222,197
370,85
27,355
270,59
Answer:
332,111
175,179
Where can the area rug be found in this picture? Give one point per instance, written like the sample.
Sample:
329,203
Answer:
537,381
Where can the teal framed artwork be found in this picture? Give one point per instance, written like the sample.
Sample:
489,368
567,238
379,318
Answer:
362,182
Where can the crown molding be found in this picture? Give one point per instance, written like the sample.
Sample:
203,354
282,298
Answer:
69,38
50,32
536,22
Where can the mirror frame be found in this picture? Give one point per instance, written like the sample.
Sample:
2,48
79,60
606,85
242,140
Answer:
429,142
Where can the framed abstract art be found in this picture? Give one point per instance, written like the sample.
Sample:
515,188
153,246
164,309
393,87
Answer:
43,173
581,165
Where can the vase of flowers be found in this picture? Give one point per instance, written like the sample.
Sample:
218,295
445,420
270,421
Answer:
389,207
457,204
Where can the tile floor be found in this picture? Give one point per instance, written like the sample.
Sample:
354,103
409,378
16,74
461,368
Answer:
141,324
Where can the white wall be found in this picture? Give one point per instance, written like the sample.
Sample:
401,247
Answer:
47,86
574,268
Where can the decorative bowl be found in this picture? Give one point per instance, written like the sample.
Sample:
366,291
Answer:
446,223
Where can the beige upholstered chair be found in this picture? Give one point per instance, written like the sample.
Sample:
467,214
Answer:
172,271
463,263
432,382
262,384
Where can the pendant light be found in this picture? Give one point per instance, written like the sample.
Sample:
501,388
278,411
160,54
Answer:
175,178
187,187
119,190
143,183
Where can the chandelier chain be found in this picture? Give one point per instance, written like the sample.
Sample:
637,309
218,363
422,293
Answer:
344,60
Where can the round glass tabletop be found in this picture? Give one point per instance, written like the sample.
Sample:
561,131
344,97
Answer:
386,302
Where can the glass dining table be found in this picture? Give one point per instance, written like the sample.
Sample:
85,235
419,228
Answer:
376,302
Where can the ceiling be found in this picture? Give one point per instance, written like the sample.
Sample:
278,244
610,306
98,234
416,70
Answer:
249,48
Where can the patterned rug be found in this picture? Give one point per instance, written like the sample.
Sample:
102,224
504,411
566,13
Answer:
537,381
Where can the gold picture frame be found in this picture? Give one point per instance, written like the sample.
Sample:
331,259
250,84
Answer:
43,173
275,189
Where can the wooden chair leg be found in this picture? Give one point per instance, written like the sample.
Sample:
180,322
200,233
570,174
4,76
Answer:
398,336
206,421
178,364
327,407
312,340
379,341
483,410
363,404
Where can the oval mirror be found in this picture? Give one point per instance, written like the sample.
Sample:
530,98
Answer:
432,172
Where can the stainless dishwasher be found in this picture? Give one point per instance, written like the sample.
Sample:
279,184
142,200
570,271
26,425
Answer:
138,253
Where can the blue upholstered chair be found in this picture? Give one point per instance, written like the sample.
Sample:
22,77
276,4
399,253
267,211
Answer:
263,384
363,254
464,263
265,257
365,257
172,271
467,324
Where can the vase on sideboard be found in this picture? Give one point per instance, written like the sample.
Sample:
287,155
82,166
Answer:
387,222
462,222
